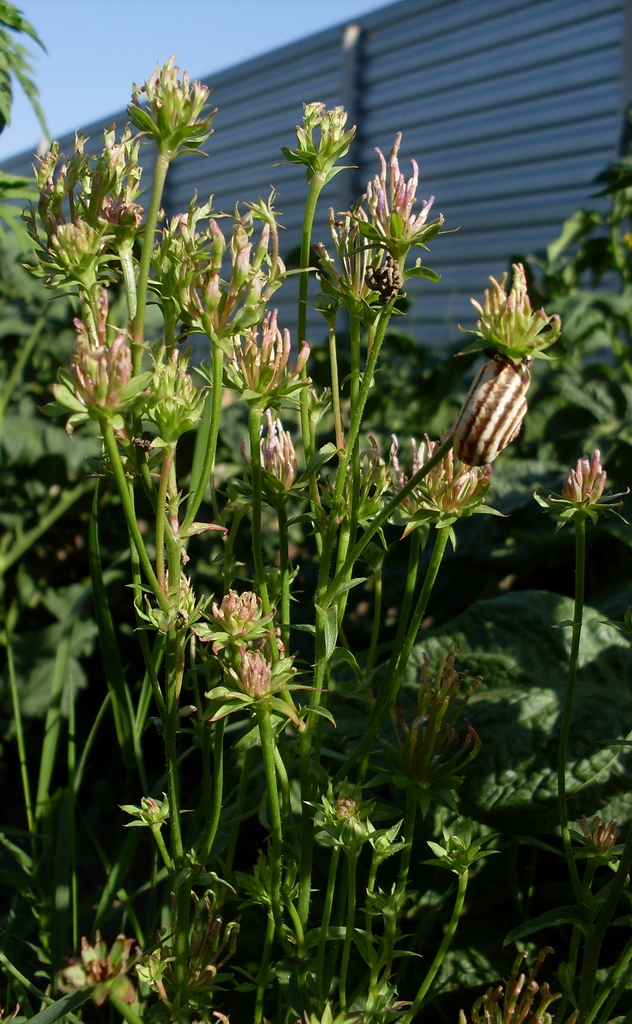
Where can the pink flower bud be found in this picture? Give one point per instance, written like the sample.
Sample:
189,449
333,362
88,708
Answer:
586,482
255,674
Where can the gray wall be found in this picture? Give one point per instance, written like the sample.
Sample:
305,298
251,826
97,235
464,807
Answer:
510,107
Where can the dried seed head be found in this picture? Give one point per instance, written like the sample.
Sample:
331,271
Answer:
493,412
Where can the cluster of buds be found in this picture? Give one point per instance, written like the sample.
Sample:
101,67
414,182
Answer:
460,849
448,492
260,372
519,1004
100,971
319,157
176,404
351,282
237,621
188,263
390,222
256,678
424,758
582,494
209,950
342,818
597,838
100,384
507,323
151,813
88,210
172,112
373,483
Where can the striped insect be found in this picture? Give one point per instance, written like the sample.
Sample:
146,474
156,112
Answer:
493,411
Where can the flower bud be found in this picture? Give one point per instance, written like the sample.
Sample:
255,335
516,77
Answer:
176,114
100,971
261,372
585,483
255,674
177,404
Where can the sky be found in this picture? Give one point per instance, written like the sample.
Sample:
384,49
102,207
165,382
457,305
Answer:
96,49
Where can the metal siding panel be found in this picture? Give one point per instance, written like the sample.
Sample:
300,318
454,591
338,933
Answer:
489,97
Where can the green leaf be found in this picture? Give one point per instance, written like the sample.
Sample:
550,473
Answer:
60,1008
112,665
510,642
551,919
430,275
328,619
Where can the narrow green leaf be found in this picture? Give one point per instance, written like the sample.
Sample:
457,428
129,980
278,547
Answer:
552,918
60,1008
328,620
113,668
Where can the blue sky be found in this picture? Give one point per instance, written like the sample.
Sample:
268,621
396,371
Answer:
97,48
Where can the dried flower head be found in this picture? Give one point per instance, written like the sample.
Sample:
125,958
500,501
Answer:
101,971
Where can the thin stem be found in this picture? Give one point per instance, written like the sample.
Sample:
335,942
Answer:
595,938
352,863
315,188
129,279
443,949
199,486
397,664
124,1009
578,612
335,387
263,970
254,419
267,752
218,773
161,514
130,513
410,815
324,926
377,621
162,848
138,324
284,566
380,519
19,735
242,789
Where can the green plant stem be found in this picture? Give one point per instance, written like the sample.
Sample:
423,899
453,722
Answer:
397,664
161,514
315,188
377,621
26,541
242,789
443,949
352,862
335,386
284,566
199,486
613,986
218,775
324,926
126,257
410,815
71,760
130,514
254,419
381,519
124,1009
162,849
267,753
19,736
595,938
138,324
263,970
562,750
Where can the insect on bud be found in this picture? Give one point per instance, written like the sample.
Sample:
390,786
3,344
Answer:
493,411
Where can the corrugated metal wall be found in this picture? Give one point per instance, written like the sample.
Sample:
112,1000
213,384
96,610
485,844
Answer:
510,108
